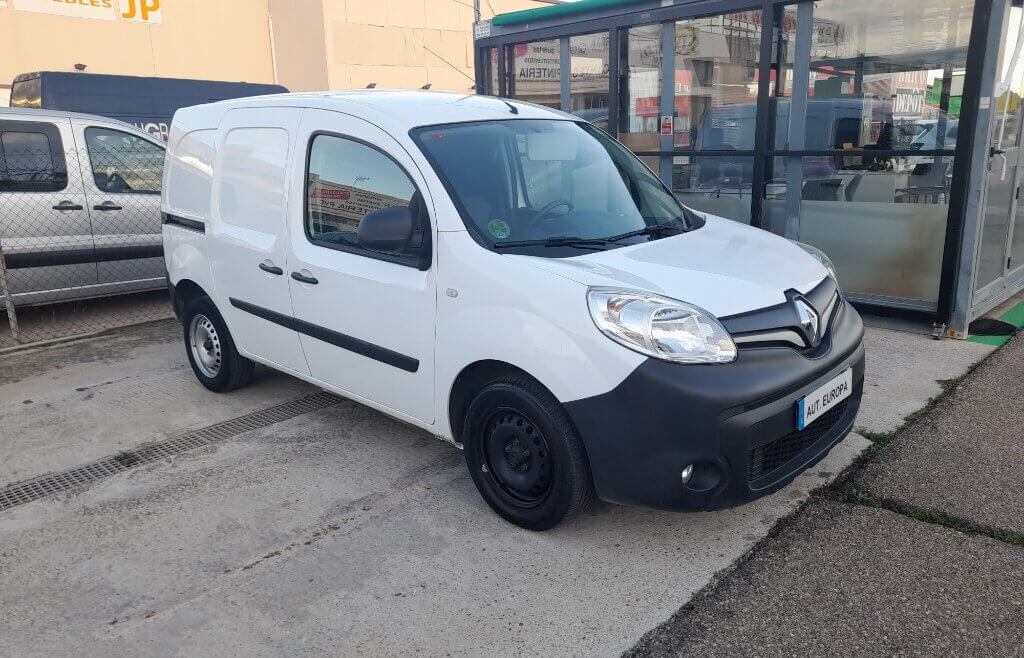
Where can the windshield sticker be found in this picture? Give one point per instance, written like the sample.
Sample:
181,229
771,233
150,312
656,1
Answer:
499,229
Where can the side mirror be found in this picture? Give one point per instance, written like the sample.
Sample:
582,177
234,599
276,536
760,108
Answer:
388,230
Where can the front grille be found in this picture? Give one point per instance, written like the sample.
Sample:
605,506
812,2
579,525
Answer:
770,457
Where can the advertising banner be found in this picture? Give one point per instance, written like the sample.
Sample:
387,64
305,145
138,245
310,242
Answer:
132,11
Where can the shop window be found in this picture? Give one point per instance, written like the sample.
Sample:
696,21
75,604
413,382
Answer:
638,118
892,67
536,74
588,86
716,69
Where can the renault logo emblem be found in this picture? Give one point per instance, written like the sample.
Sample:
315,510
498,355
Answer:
809,321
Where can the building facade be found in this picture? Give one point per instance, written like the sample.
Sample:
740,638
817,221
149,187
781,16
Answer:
302,44
886,132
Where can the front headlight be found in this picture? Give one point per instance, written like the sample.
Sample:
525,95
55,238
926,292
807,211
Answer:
821,257
660,327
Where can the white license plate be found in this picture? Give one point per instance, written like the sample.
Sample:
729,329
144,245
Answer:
823,398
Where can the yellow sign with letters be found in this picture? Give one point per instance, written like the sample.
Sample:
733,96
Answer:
130,11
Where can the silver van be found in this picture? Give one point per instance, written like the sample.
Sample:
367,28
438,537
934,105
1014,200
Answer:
79,206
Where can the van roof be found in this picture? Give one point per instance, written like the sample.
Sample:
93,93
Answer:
402,110
12,113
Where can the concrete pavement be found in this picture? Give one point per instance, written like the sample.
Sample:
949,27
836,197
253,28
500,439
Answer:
340,530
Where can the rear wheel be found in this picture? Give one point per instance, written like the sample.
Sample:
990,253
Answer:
211,350
524,455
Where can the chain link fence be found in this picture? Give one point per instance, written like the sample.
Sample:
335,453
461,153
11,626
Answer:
80,236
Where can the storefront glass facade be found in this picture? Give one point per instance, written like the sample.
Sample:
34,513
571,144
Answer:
832,122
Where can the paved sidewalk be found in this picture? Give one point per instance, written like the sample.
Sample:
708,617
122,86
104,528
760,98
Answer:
966,458
881,565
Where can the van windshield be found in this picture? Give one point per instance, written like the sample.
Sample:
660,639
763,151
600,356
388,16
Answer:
555,185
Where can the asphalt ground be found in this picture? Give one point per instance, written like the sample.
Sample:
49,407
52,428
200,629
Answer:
340,531
917,552
965,459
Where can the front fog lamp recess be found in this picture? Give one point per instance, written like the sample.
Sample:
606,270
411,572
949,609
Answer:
660,327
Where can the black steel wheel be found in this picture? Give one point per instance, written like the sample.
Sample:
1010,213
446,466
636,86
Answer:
517,457
524,454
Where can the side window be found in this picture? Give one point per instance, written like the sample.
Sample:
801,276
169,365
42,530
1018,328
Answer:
123,163
31,159
346,181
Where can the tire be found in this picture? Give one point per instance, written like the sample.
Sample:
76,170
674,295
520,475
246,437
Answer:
525,456
211,350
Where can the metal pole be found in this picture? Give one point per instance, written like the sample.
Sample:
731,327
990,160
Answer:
5,292
476,11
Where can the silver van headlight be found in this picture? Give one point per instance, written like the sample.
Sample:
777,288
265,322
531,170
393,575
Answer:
660,327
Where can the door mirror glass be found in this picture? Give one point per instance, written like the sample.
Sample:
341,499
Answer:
388,230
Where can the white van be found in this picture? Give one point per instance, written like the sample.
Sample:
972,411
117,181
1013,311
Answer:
513,280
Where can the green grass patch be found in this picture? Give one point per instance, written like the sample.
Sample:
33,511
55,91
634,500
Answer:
1014,316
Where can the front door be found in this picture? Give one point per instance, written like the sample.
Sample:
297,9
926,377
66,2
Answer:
122,173
366,320
247,236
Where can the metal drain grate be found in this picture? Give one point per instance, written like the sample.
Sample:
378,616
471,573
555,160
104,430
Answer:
51,483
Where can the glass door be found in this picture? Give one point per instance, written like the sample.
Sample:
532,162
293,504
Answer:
1001,249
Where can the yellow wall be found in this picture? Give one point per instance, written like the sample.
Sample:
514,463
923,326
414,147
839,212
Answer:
319,44
207,39
401,43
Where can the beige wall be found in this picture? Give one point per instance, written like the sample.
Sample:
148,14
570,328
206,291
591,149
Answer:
207,39
319,44
404,43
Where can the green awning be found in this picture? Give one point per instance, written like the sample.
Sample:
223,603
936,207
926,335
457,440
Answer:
559,11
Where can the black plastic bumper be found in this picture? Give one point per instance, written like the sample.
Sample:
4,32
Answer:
724,419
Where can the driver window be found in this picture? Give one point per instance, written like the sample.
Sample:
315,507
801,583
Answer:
123,163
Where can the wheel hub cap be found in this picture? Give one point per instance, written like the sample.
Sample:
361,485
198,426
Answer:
518,457
205,345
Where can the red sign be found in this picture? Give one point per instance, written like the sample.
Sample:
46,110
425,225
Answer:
666,125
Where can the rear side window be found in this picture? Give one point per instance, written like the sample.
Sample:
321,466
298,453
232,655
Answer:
253,178
31,158
123,163
347,180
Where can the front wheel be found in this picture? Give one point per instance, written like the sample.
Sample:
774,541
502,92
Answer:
211,350
525,456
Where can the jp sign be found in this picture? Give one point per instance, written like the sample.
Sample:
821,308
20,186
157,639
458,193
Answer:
132,11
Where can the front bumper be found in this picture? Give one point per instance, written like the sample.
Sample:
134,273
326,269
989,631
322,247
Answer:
736,422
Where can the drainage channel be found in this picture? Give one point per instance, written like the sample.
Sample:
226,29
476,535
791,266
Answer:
26,491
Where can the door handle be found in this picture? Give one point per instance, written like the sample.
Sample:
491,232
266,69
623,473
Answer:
67,205
305,279
107,206
270,268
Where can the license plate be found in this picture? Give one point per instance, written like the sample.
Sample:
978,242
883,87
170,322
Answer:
823,398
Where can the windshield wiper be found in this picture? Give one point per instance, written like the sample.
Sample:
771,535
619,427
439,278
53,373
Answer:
555,241
656,229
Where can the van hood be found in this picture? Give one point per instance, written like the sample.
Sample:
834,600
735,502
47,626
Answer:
725,267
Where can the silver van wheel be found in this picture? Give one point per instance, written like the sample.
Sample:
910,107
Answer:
205,345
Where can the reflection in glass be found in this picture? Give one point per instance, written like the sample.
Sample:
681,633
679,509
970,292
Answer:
536,74
346,181
718,185
588,86
716,61
638,124
780,85
492,70
887,74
